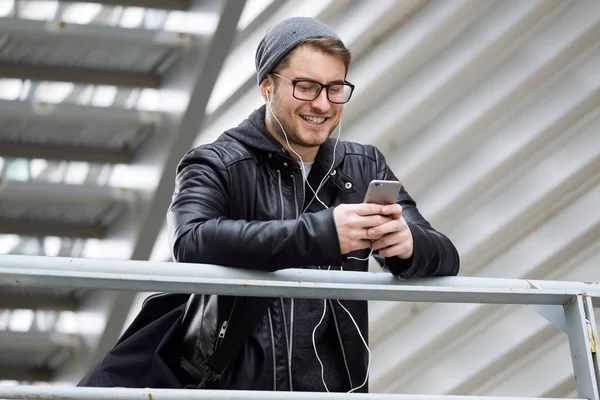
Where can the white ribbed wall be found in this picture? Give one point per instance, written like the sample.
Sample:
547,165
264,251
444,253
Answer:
489,112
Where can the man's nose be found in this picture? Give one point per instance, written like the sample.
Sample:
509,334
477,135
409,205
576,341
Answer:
322,103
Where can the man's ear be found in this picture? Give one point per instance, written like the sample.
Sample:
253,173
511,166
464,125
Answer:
265,87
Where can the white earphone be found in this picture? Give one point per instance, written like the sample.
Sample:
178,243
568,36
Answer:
266,94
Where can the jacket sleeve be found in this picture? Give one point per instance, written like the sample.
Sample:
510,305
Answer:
201,231
433,253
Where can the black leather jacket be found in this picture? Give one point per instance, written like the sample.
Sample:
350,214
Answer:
239,202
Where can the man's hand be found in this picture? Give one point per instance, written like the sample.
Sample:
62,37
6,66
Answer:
352,222
393,238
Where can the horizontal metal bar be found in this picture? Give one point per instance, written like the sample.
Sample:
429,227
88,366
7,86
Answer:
464,281
306,283
90,32
73,112
52,228
88,393
87,76
66,153
60,192
180,5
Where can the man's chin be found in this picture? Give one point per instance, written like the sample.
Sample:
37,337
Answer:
314,140
317,134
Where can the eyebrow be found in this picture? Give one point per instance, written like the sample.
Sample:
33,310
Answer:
306,78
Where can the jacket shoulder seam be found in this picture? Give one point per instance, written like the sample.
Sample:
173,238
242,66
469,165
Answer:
352,151
222,151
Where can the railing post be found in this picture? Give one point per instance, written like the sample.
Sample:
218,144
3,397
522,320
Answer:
583,346
594,338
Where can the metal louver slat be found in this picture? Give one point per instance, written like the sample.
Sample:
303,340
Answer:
73,133
181,5
49,209
88,54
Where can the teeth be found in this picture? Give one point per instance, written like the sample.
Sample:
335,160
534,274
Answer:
313,120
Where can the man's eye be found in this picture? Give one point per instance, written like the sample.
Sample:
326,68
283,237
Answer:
306,87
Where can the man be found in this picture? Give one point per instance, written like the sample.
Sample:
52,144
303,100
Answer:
277,192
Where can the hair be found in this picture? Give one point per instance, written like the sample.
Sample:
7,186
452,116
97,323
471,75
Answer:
330,46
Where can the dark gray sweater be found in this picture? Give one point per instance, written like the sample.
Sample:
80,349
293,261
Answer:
306,370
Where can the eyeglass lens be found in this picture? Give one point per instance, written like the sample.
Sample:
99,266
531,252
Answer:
307,90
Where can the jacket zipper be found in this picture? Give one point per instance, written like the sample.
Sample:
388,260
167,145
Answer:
280,195
281,299
295,195
291,341
224,325
273,350
337,328
292,299
287,343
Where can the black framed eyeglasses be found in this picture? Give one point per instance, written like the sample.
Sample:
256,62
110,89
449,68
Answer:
307,90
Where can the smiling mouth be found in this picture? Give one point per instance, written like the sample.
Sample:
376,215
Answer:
313,120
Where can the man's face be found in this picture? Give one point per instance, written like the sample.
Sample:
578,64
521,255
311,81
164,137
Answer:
307,124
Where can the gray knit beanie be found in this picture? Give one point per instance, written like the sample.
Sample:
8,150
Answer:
282,38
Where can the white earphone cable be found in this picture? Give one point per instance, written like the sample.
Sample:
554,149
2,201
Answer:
362,259
366,347
302,167
321,184
315,343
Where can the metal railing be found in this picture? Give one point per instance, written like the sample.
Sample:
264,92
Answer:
569,305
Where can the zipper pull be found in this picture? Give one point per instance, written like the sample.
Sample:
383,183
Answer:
223,330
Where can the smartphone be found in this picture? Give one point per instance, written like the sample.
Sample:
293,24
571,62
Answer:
382,192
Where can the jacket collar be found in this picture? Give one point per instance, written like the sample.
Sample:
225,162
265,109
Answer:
253,133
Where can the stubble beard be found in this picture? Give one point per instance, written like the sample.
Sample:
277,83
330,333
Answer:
289,130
